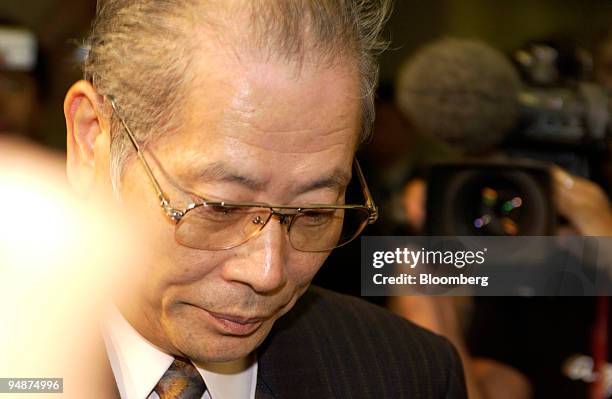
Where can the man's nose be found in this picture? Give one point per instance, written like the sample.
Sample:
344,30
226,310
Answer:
261,261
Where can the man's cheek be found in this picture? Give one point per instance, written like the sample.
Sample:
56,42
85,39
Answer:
317,261
181,265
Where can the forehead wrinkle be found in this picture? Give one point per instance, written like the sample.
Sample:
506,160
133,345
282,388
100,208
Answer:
319,132
338,179
283,146
220,171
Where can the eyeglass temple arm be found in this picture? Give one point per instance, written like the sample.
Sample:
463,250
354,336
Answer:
160,194
366,192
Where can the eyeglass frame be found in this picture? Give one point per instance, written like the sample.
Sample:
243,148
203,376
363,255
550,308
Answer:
176,215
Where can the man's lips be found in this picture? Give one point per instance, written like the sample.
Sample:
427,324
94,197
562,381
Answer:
233,324
237,319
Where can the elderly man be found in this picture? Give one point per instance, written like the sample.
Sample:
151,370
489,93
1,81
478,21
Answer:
229,128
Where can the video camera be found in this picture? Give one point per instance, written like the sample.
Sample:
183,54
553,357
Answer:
512,119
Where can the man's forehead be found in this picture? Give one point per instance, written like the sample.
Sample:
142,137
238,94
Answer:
271,104
246,117
274,96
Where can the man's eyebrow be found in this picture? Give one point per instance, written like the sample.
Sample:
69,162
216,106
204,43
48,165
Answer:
336,180
223,172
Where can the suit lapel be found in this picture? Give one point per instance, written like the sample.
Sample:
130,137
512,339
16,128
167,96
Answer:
289,361
263,391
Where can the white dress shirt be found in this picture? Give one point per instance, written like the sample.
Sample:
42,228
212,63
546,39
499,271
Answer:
138,365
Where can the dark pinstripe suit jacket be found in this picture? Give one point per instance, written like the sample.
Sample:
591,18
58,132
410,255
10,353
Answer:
333,346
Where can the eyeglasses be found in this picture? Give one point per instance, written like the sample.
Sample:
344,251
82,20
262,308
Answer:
219,225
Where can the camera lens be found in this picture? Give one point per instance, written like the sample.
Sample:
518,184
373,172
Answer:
501,203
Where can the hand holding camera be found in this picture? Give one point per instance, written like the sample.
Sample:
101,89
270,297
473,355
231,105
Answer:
583,203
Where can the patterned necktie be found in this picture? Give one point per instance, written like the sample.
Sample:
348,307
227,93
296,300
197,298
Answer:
181,381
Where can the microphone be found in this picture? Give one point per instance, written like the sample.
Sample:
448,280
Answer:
463,92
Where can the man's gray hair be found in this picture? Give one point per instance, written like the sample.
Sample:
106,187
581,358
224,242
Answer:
140,52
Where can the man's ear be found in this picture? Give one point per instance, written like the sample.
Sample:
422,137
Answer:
88,136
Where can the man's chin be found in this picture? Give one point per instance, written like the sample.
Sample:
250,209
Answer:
206,345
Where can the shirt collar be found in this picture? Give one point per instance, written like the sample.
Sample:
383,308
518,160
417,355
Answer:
138,364
233,380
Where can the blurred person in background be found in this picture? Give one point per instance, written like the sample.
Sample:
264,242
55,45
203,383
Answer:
59,259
